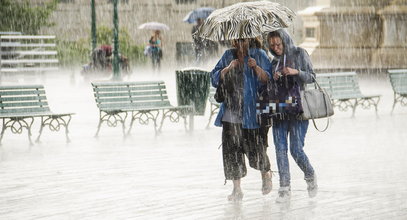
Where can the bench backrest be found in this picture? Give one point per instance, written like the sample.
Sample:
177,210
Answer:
339,85
25,53
23,99
120,95
398,79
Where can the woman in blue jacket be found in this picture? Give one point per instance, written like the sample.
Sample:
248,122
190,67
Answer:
241,71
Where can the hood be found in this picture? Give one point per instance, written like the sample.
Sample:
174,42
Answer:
289,47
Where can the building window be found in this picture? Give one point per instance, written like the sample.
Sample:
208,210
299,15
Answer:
310,32
185,1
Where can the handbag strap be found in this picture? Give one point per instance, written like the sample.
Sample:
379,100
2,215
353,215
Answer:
312,117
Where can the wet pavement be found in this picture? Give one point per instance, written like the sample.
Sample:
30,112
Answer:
360,163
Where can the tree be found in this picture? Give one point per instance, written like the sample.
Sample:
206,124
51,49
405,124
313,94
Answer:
21,16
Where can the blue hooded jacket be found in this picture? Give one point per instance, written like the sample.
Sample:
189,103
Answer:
251,84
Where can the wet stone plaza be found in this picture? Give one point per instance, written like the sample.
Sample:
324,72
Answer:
360,162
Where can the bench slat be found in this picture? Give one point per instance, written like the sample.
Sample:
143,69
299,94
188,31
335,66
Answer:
144,105
21,87
133,94
27,69
32,52
27,37
18,44
130,88
118,84
21,92
29,61
128,100
22,104
24,110
22,98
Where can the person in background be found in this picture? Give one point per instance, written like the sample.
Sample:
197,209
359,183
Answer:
291,67
203,48
155,44
241,71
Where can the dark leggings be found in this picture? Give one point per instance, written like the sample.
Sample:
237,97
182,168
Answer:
237,142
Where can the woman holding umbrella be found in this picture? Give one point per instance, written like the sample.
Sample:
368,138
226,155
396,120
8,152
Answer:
155,44
240,72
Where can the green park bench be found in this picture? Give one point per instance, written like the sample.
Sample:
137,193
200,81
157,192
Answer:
398,80
21,104
343,88
144,100
214,106
27,54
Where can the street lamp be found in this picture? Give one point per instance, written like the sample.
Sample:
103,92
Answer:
116,64
93,24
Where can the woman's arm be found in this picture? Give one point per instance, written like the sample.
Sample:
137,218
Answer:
305,70
221,68
261,66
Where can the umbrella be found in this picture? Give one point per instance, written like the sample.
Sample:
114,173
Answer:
202,13
245,20
154,26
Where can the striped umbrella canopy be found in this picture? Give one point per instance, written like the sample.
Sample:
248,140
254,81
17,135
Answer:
245,20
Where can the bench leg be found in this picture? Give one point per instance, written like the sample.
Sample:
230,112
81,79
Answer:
67,130
354,108
212,113
111,118
41,128
143,118
174,116
394,103
3,128
375,106
99,124
29,131
54,123
191,122
17,125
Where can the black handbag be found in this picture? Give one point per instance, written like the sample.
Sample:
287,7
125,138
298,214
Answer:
220,92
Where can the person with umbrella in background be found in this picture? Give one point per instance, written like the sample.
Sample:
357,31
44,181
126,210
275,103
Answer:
292,69
155,44
239,74
203,47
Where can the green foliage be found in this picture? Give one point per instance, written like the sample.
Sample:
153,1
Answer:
73,53
21,16
78,53
126,46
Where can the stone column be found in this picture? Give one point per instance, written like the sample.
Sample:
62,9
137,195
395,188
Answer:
393,45
351,35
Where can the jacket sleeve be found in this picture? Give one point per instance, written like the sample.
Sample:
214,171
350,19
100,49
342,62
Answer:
306,72
222,63
265,63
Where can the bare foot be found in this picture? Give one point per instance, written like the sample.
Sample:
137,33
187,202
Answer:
237,195
267,183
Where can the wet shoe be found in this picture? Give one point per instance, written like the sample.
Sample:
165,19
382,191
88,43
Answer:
284,195
312,187
236,196
267,184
